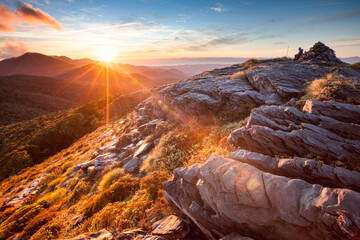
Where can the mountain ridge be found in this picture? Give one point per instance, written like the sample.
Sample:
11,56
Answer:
229,144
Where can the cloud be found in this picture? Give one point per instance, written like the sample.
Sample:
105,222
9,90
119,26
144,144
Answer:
219,8
12,48
5,19
218,41
35,16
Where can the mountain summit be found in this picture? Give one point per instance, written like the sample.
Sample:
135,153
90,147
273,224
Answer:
265,149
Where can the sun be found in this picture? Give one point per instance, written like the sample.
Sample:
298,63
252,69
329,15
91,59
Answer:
106,55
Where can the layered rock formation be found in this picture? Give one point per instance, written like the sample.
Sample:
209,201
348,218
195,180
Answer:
280,130
270,186
224,196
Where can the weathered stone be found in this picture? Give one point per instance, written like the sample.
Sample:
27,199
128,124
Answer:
280,130
320,52
171,227
143,149
303,168
340,111
239,198
31,189
128,235
101,235
133,165
285,79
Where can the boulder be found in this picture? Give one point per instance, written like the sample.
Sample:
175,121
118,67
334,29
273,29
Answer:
231,197
133,165
171,227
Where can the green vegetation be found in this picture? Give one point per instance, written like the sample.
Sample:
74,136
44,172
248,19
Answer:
355,66
25,144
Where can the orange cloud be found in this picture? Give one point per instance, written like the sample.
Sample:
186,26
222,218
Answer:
12,48
5,19
25,13
34,15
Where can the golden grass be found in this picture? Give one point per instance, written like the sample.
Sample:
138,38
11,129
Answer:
326,88
110,177
239,75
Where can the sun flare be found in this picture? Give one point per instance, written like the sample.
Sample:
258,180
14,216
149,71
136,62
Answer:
106,55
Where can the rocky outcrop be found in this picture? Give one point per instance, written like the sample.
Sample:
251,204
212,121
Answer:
280,130
303,168
285,79
211,93
339,111
224,196
320,52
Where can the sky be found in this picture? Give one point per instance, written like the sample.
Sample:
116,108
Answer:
146,31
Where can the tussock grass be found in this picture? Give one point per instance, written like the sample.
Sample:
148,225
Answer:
239,75
326,88
110,177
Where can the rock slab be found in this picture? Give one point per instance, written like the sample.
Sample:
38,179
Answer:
224,196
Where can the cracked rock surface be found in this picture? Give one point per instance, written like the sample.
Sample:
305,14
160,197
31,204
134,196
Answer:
281,130
223,196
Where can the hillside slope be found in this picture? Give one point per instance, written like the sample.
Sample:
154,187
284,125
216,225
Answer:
266,149
34,64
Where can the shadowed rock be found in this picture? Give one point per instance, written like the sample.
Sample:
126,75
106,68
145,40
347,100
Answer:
226,196
280,130
320,52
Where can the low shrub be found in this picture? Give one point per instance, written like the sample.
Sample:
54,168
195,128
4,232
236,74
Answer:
153,183
355,66
134,213
54,196
169,153
19,219
105,218
49,231
80,189
118,191
110,177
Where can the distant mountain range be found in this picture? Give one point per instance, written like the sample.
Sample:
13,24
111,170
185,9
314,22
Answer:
34,64
34,84
351,60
